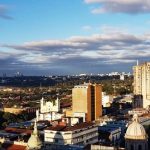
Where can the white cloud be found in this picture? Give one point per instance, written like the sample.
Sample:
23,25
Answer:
121,6
87,28
106,47
4,12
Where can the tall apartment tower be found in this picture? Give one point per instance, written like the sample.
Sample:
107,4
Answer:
141,85
87,98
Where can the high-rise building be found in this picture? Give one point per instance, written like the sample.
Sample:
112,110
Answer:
87,98
141,85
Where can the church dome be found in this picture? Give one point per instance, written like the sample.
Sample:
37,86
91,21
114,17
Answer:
135,130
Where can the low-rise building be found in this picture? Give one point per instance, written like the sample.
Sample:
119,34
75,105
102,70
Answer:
139,111
79,135
106,100
109,134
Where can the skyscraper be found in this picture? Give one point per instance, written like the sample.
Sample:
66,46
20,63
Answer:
87,98
141,85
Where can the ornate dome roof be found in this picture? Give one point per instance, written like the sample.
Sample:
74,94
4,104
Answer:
135,130
34,141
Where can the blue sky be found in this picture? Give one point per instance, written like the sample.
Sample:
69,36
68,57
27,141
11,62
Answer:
39,37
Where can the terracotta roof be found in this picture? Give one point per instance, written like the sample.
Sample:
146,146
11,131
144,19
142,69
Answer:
79,126
13,147
15,130
56,128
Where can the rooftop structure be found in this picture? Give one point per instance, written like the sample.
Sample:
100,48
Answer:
135,130
136,137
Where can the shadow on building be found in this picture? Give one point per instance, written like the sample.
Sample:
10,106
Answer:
59,143
137,101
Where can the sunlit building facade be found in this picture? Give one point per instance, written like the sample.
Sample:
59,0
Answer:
142,84
87,98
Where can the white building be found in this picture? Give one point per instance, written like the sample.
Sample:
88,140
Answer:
79,135
49,110
102,147
122,77
49,106
106,100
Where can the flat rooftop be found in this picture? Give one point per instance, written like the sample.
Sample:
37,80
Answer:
71,128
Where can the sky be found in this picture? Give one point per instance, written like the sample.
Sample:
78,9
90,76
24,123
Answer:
61,37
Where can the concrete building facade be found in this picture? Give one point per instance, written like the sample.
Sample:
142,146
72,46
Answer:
141,85
87,98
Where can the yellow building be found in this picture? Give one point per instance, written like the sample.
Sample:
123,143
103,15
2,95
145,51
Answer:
13,110
87,99
142,84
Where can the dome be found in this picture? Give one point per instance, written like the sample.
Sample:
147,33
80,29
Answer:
34,141
135,130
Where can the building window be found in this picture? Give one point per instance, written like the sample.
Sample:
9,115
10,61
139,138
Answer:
140,147
131,147
56,140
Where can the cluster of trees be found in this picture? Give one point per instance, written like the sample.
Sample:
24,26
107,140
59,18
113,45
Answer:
117,87
7,118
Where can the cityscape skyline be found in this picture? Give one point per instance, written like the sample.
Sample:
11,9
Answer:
73,37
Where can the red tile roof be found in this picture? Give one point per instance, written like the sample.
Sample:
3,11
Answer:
16,147
72,128
13,147
15,130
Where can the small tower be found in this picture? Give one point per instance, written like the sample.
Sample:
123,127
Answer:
136,137
57,102
42,103
34,142
37,115
137,62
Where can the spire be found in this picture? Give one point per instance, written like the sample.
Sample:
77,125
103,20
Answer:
35,131
42,101
137,62
34,142
37,114
58,103
135,118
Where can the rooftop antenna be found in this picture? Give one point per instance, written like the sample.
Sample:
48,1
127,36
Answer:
137,62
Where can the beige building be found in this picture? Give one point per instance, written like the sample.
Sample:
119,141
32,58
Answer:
87,99
142,84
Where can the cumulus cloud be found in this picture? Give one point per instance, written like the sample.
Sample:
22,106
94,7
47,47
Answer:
107,51
87,28
4,12
121,6
108,46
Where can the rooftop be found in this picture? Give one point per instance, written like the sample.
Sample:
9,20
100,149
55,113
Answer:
7,146
71,128
15,130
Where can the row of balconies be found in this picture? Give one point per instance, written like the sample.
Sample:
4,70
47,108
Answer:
69,138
